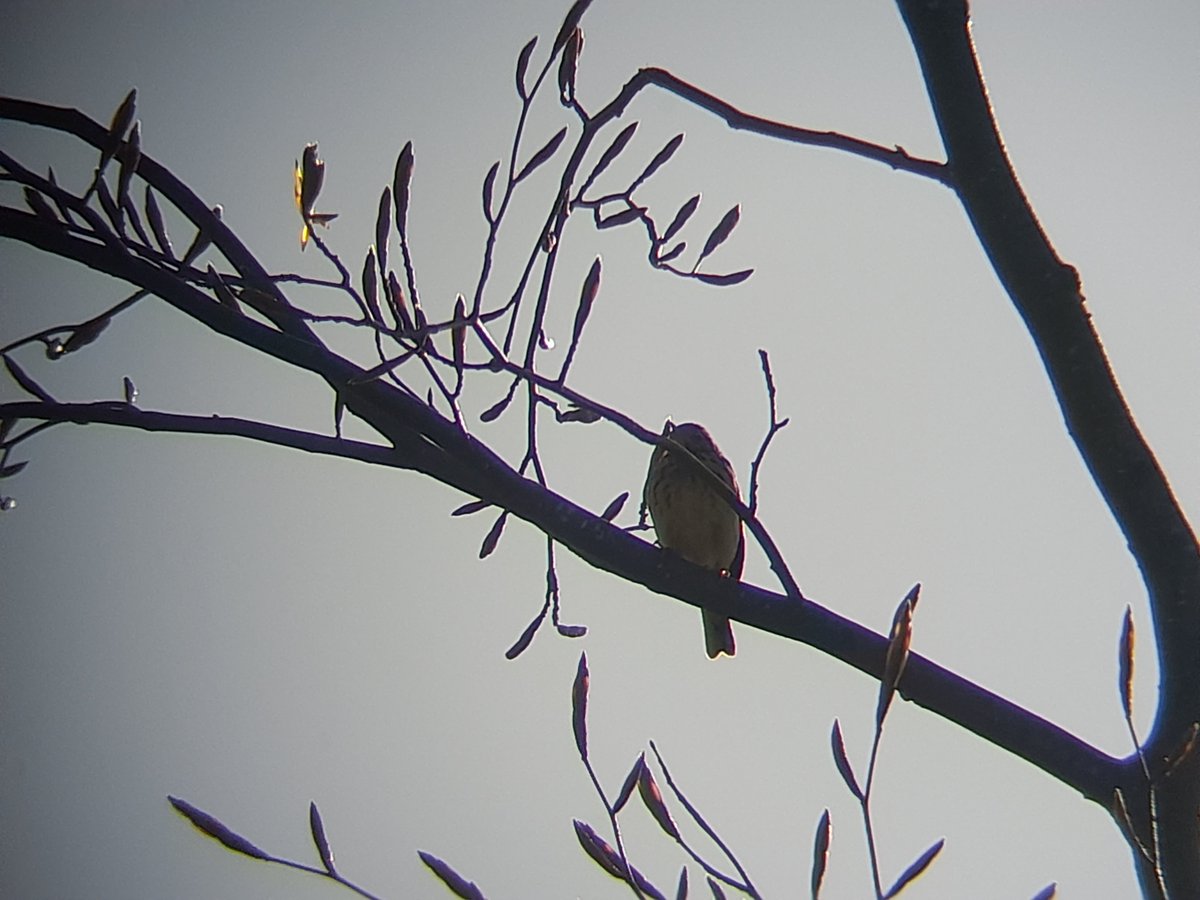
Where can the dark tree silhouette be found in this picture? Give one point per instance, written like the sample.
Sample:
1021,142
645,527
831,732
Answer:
408,393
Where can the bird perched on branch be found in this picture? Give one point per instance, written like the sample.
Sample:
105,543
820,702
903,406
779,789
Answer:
687,491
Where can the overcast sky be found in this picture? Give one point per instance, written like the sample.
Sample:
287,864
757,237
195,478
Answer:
252,629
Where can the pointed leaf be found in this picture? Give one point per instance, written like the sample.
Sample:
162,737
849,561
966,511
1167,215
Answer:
717,892
215,829
473,507
899,639
489,182
401,185
587,296
23,380
624,217
460,886
317,827
493,536
613,508
131,391
820,856
109,206
839,759
154,215
681,890
600,850
523,65
670,254
660,159
10,470
919,865
652,797
631,781
574,14
579,693
370,287
543,154
719,234
724,280
1125,660
620,142
383,225
130,155
681,217
1047,893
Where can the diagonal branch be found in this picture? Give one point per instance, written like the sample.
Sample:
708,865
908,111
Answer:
1047,293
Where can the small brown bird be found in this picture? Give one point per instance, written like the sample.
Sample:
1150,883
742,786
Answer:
692,516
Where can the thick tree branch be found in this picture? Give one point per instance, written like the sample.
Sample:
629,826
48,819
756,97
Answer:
993,718
1047,294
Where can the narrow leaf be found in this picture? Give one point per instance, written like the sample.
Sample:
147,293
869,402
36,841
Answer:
587,296
899,639
631,781
624,217
317,827
123,117
131,391
1047,893
217,830
109,205
719,234
460,886
671,254
401,185
134,218
523,65
458,334
221,289
130,155
23,380
543,154
717,892
724,280
526,636
681,217
600,850
919,865
10,470
574,14
1125,670
620,142
370,287
681,890
579,695
154,215
613,508
489,182
660,159
493,536
652,797
383,226
820,857
473,507
839,759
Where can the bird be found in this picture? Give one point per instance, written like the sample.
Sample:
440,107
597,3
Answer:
687,492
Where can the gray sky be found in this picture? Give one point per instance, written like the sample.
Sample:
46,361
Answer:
252,629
